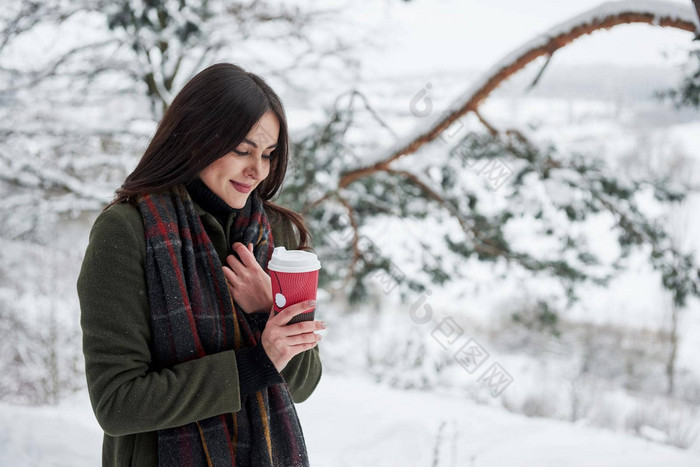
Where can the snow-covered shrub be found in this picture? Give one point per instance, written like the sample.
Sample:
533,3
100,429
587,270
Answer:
604,413
582,396
40,349
665,421
687,386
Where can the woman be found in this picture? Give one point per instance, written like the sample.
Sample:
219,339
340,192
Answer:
186,363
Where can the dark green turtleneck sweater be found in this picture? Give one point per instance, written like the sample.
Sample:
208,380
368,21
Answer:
210,201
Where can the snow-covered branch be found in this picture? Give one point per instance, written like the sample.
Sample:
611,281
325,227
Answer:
605,16
29,174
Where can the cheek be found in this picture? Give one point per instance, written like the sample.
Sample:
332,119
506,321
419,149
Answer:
269,169
206,175
229,169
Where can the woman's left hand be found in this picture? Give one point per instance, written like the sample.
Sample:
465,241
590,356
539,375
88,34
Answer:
248,282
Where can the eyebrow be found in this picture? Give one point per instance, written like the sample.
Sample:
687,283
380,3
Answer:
246,140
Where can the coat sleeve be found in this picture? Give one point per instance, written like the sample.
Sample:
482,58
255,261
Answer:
303,372
129,395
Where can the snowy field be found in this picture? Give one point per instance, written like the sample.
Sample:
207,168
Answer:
353,422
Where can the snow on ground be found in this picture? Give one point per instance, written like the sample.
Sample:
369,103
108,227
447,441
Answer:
66,435
352,421
379,426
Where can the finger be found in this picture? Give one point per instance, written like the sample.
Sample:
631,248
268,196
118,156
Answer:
250,247
304,327
306,338
230,276
302,347
236,266
284,316
244,254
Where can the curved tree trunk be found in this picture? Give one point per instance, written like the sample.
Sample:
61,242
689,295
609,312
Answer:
605,16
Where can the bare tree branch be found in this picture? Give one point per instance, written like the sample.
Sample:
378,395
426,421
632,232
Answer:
30,176
52,69
482,243
355,243
541,72
603,17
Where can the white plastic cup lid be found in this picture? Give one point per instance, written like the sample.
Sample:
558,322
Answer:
284,260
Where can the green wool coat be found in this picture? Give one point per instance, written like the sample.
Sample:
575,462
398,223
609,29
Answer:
130,397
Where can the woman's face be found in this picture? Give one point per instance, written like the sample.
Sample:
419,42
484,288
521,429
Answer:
234,176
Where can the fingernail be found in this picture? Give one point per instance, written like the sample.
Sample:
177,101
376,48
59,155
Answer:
323,325
312,302
320,337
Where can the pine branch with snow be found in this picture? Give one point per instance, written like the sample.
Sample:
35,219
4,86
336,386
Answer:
555,195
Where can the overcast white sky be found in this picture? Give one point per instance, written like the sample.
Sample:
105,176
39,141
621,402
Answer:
431,35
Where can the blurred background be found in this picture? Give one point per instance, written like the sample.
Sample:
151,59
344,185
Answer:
500,194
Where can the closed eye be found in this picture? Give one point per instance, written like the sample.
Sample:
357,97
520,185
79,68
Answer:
265,156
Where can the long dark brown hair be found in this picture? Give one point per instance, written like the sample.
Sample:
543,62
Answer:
208,118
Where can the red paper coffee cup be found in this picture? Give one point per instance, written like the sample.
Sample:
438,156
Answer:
294,275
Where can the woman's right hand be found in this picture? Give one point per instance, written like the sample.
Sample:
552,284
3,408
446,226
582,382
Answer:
282,342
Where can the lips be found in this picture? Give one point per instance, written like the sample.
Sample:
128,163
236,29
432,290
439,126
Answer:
241,187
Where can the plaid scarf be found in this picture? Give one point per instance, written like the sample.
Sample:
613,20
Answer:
193,315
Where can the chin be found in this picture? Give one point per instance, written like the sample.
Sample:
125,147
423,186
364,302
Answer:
238,200
239,204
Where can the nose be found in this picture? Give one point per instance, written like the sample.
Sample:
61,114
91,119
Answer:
255,167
